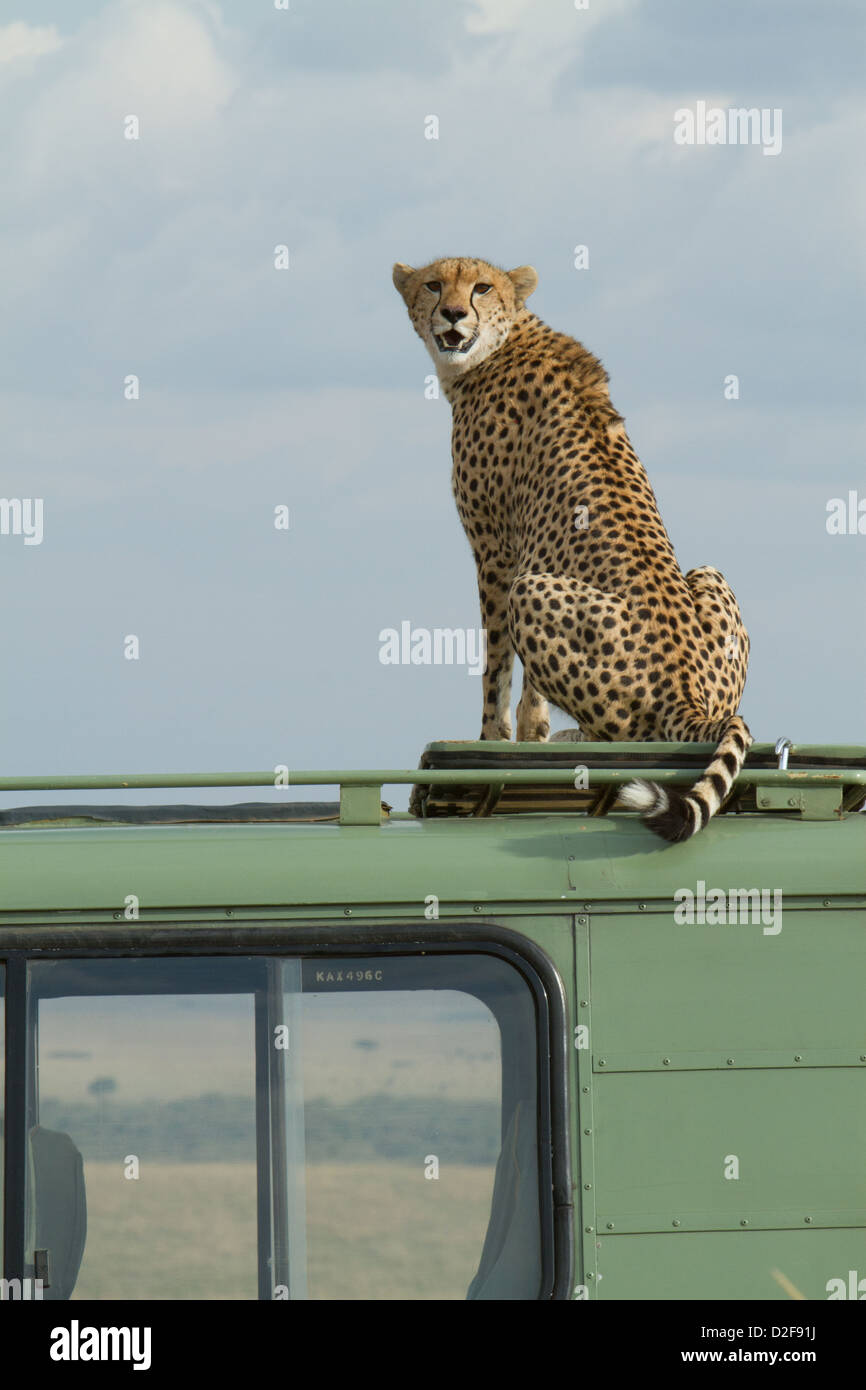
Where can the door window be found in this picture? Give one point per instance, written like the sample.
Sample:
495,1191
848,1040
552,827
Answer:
252,1127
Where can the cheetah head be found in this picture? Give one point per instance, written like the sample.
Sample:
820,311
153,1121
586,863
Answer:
463,310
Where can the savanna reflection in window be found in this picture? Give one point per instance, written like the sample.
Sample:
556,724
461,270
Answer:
224,1128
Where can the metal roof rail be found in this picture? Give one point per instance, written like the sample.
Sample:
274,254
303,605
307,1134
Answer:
464,778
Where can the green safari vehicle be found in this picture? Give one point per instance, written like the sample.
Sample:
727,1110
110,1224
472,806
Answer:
511,1046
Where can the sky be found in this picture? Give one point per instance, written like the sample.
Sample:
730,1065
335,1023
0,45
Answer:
306,388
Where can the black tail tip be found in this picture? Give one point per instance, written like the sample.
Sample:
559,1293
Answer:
665,811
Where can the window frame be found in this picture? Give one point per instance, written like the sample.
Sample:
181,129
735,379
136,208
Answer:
313,940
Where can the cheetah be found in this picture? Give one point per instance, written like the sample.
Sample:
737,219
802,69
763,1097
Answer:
576,572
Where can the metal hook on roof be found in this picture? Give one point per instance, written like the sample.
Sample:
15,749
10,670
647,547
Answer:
783,745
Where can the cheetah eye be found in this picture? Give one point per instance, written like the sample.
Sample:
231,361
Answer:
482,289
434,285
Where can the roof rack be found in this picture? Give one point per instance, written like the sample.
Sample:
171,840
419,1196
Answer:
486,778
817,781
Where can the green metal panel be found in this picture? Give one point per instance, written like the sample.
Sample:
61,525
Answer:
618,858
718,1048
474,862
668,1147
816,803
727,1265
729,1099
700,995
510,860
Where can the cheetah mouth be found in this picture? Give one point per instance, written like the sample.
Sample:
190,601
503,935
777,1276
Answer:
453,341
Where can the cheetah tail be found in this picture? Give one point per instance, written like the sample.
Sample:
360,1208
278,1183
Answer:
676,815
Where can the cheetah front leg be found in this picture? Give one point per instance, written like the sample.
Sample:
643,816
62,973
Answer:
493,586
533,719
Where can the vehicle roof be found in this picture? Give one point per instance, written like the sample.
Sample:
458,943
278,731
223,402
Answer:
294,856
554,859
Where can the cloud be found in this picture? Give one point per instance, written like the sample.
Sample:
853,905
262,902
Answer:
566,21
768,53
159,63
20,40
159,251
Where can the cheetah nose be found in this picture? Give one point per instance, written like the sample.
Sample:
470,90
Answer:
453,315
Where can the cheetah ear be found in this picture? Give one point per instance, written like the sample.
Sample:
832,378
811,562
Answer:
401,275
524,279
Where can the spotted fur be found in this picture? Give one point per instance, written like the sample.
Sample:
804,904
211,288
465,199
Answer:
576,573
